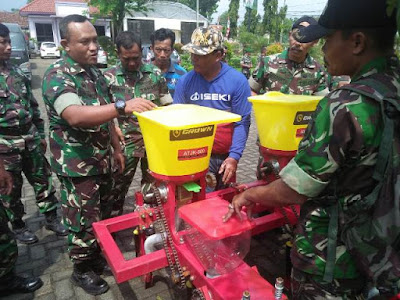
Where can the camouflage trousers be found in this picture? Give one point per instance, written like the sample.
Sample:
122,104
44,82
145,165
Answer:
123,181
84,200
304,287
37,170
8,245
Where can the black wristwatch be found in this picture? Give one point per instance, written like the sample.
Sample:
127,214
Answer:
120,106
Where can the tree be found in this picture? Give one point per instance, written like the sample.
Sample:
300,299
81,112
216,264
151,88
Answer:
206,7
233,13
117,9
251,20
223,18
270,16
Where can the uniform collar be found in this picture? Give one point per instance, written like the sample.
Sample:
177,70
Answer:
120,71
376,65
309,62
74,67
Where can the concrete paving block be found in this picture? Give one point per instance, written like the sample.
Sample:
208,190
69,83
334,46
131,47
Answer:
30,265
22,249
46,288
63,289
22,259
61,275
82,295
18,297
50,296
37,252
57,243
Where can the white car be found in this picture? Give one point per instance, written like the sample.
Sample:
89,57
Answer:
49,49
101,58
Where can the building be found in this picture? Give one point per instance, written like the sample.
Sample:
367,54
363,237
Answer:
44,17
14,17
164,14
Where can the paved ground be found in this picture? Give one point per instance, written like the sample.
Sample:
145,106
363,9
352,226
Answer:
49,259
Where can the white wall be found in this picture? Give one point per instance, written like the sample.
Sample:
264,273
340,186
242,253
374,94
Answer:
64,9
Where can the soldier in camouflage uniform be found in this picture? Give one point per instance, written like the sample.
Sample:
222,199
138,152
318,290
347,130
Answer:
22,147
339,148
81,135
246,64
9,281
130,79
293,71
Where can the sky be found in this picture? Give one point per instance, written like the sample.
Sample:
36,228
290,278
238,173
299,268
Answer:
296,8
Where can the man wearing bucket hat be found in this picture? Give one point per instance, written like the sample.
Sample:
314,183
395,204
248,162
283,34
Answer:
335,169
293,71
214,84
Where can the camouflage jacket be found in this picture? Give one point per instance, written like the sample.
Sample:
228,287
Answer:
278,73
19,110
340,146
147,83
75,151
246,60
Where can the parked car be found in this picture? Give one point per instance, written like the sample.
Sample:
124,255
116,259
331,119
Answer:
101,58
49,49
19,49
33,49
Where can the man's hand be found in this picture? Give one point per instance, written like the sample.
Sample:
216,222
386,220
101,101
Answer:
119,160
119,134
43,144
138,105
228,167
236,206
6,182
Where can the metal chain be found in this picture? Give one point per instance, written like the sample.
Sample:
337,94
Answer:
169,240
276,173
199,294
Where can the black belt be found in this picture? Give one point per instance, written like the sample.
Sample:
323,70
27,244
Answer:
14,131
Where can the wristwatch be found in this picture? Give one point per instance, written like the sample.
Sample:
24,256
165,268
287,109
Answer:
120,106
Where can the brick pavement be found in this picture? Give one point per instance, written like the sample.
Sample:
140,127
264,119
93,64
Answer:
49,259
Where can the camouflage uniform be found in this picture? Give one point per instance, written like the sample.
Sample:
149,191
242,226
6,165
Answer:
80,156
21,132
344,135
246,60
149,84
278,73
8,245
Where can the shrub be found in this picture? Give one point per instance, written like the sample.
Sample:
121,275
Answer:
274,48
186,62
107,44
178,47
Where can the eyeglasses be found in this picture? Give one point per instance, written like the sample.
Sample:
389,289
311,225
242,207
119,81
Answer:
159,50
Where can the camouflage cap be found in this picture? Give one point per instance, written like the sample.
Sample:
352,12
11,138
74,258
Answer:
205,40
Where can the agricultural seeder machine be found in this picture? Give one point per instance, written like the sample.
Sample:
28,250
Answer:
201,253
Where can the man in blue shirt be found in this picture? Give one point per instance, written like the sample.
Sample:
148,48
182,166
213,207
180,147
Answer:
217,85
162,42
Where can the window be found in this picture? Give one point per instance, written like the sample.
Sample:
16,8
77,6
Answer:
101,30
187,30
44,32
142,28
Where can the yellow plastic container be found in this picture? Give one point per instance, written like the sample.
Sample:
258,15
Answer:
179,138
282,119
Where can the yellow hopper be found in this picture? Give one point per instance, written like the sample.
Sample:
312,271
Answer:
179,138
282,119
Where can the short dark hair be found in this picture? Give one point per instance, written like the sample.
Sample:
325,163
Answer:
263,48
4,31
66,21
382,38
161,35
127,39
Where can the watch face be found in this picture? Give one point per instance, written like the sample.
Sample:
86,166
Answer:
120,104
